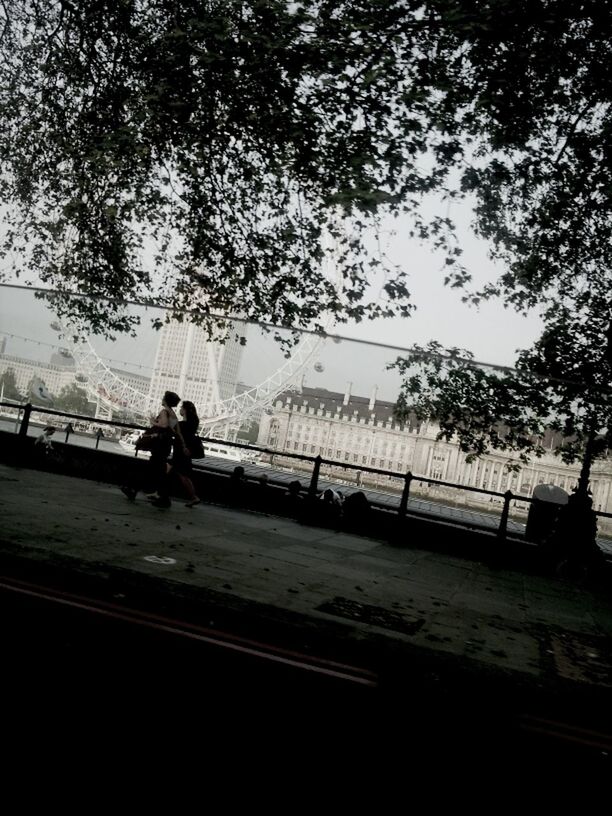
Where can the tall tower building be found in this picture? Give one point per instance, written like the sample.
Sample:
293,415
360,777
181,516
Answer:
196,368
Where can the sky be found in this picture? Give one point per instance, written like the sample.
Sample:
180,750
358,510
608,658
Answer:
491,332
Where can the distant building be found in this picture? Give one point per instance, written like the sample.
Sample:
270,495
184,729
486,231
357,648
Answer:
55,377
196,368
138,382
363,431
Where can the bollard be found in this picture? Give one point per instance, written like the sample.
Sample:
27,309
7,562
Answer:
69,430
99,436
23,428
503,524
405,493
314,479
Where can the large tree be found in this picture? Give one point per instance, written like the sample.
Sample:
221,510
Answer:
8,385
245,139
560,384
529,95
74,400
248,138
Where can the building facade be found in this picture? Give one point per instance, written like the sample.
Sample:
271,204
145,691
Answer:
59,373
196,368
362,431
54,376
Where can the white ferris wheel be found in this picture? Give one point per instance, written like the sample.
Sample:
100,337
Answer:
112,394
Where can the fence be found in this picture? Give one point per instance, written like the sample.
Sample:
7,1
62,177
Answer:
24,412
316,463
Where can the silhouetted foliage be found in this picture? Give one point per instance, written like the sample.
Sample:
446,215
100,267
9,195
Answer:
561,384
8,385
238,135
74,400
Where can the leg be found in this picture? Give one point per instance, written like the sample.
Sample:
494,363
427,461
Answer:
190,490
163,471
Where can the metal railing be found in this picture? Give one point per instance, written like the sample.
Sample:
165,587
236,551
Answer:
317,462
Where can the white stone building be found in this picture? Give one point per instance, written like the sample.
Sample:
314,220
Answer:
59,373
362,431
188,363
138,382
54,376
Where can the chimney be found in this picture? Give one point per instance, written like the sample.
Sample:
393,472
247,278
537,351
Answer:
347,393
372,402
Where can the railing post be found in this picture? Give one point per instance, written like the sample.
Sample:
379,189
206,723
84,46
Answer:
503,524
99,435
314,479
69,430
25,421
403,508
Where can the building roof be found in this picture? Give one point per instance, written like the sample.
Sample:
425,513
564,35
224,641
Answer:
333,402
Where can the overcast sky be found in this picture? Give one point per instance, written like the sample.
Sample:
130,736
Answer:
491,332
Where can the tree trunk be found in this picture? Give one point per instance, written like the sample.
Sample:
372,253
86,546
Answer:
587,461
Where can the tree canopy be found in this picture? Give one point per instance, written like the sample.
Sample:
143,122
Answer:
74,400
247,140
237,136
8,385
530,91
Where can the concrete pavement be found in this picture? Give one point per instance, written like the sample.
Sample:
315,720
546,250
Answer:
391,609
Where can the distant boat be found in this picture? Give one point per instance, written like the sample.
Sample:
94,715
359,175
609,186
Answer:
220,451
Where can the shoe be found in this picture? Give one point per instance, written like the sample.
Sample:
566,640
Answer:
193,502
161,502
129,492
152,496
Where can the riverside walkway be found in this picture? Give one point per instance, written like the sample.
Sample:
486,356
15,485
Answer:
408,619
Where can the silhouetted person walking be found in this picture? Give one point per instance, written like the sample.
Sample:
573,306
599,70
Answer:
181,462
161,434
